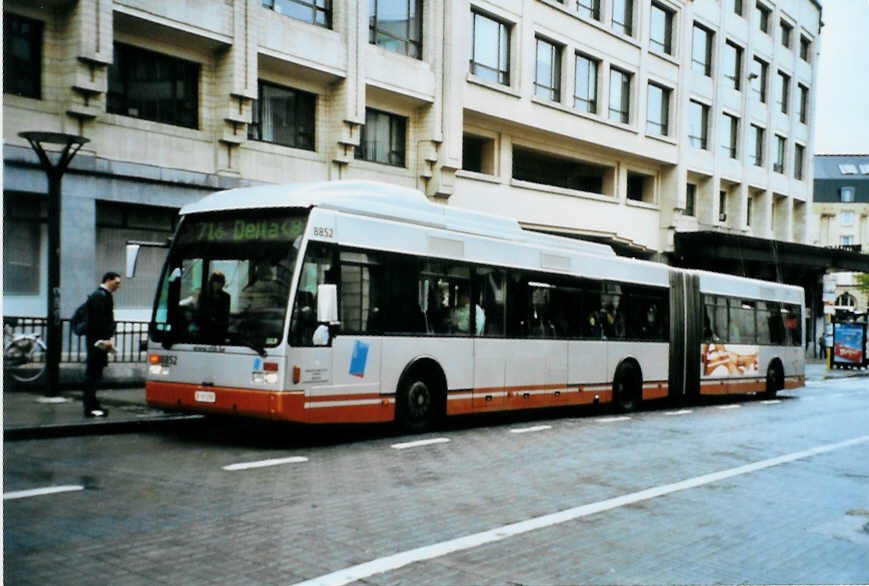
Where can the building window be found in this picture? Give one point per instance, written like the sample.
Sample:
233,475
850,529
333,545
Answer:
396,25
116,223
698,124
657,121
284,116
804,102
799,155
623,16
22,56
735,6
152,86
757,154
690,199
846,240
758,78
383,138
846,299
490,49
722,206
786,32
784,88
317,12
478,154
846,194
661,29
546,169
585,92
640,187
749,203
25,220
846,218
733,65
779,165
805,48
729,133
547,83
701,52
620,96
588,8
847,168
761,17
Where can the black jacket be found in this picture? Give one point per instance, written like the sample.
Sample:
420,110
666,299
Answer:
101,316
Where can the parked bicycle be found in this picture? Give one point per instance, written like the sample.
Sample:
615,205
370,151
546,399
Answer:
23,355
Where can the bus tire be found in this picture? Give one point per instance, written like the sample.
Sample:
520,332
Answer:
417,402
627,387
774,379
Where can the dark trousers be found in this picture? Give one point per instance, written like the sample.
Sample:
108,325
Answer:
96,361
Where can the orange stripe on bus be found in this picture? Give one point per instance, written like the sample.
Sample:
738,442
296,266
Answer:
731,386
283,406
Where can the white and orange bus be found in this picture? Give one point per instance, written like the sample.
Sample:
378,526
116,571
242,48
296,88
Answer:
354,301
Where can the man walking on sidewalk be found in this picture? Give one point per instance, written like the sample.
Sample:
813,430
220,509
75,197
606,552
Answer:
100,329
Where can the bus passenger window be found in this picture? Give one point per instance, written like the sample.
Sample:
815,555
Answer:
490,287
791,314
590,310
613,312
360,292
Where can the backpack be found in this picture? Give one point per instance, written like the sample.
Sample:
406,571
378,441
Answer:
79,321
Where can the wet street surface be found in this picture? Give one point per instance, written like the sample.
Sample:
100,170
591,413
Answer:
746,490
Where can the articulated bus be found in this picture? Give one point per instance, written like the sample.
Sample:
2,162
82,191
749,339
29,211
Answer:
354,301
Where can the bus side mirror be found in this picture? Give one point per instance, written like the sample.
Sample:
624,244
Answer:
132,257
327,304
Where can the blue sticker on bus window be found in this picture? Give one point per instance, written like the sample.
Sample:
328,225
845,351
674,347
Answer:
359,359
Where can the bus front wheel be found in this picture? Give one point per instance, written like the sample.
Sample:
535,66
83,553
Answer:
415,404
627,385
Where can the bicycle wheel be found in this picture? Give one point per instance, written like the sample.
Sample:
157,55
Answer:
31,365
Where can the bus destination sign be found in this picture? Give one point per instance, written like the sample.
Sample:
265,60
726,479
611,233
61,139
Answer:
242,231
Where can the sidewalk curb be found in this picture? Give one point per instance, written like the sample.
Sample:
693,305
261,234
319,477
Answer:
92,427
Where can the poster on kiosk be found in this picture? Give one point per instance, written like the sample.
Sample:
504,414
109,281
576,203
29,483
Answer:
848,343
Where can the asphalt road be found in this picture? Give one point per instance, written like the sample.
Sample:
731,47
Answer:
740,491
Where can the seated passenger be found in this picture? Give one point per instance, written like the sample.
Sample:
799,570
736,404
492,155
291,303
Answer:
461,316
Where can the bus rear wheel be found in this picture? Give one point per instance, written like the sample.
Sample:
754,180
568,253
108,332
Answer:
774,380
415,404
627,385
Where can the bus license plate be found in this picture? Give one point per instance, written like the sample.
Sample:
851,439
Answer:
205,396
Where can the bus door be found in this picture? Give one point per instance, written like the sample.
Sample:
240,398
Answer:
340,363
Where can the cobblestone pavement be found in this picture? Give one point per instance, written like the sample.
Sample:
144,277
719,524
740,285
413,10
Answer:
161,508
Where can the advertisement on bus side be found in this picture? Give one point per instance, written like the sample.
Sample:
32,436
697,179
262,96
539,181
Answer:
848,343
728,360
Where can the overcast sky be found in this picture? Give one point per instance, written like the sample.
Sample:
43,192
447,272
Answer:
842,107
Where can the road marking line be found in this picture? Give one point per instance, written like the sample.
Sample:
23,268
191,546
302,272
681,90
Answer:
771,402
680,412
416,444
23,494
611,419
729,406
531,429
264,463
427,552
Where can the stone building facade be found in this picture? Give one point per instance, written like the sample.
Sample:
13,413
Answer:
623,121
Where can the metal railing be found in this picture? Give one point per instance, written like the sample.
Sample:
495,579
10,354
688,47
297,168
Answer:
130,339
848,247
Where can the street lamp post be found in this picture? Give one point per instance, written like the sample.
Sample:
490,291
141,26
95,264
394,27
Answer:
70,145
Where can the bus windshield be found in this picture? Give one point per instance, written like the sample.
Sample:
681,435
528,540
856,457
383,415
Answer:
227,279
